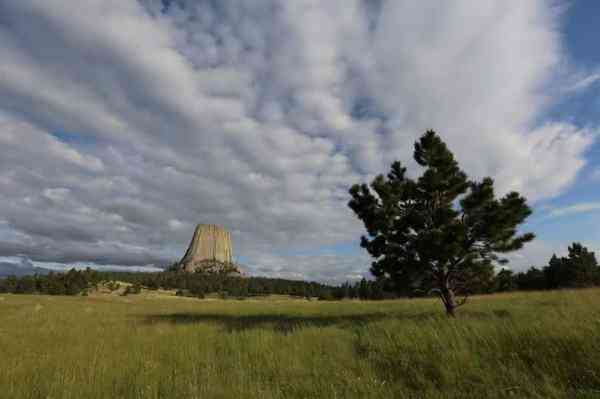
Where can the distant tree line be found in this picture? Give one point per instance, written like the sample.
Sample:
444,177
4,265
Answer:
578,269
77,282
73,282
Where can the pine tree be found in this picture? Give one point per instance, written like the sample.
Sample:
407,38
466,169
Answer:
554,272
581,267
440,233
505,281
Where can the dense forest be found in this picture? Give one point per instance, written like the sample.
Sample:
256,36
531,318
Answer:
578,269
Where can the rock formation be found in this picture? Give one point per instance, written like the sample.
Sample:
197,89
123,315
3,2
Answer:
210,251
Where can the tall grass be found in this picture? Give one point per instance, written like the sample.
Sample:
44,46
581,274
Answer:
538,345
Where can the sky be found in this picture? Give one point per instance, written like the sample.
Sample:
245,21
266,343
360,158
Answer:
125,123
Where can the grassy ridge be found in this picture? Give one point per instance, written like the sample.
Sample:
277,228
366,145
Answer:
542,345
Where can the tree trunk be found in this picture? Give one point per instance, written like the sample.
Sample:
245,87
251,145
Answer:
449,301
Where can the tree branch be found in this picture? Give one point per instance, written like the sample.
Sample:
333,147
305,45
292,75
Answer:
439,293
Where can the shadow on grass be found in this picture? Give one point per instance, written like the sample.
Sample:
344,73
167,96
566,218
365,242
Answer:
280,322
285,323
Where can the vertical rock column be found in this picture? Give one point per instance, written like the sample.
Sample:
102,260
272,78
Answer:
210,242
222,245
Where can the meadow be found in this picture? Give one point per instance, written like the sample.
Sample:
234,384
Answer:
522,345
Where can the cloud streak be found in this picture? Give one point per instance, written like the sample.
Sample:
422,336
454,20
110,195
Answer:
574,209
585,82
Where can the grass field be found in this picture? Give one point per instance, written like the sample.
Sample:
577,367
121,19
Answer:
539,345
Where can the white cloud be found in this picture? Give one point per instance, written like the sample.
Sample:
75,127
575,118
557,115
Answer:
56,194
536,253
329,267
258,116
583,207
42,146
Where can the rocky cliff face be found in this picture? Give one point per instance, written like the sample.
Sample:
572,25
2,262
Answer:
210,250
